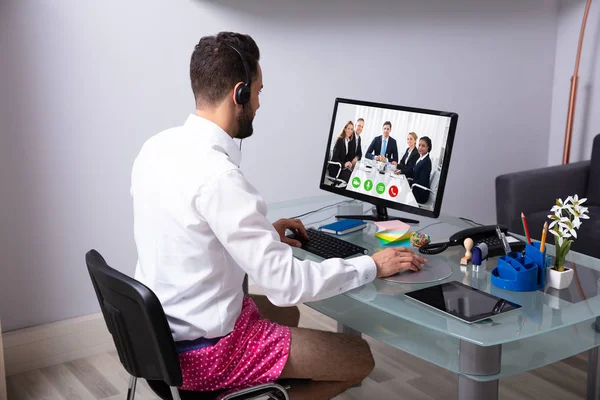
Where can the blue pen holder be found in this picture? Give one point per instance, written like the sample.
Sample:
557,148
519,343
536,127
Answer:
521,273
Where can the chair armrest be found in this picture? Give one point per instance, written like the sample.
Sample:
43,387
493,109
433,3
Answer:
339,169
414,185
537,190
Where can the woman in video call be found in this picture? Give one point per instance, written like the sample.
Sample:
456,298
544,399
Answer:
343,153
411,155
421,171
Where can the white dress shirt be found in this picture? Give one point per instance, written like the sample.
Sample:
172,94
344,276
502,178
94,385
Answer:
421,158
199,226
407,156
346,140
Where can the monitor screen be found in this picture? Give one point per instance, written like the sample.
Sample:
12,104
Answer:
391,156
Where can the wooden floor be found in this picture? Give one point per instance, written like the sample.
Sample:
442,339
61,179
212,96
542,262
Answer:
397,375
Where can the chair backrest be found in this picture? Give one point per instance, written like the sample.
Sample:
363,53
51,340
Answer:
137,322
593,187
434,180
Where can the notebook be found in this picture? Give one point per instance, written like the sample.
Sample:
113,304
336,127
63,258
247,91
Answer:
343,226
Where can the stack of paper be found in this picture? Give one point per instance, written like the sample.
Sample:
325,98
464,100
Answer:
393,233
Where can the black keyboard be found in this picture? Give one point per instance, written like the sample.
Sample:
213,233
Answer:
327,246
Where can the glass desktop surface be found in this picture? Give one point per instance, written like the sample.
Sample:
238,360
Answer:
548,327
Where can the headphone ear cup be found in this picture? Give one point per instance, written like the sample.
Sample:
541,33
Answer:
242,95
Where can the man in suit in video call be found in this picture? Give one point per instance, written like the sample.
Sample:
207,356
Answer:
384,147
358,128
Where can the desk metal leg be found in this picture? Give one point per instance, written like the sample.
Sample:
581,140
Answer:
593,375
341,328
478,360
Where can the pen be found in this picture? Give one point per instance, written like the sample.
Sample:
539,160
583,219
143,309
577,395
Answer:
544,233
502,238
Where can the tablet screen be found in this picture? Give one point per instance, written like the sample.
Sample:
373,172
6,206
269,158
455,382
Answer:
462,301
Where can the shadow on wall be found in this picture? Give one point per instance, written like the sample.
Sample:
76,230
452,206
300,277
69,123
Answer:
22,212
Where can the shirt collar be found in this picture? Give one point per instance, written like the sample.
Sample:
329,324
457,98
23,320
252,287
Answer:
215,134
422,157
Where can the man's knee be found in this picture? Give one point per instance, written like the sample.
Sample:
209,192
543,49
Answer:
362,362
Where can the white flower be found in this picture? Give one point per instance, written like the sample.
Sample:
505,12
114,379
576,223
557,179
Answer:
565,227
577,201
569,199
564,230
557,220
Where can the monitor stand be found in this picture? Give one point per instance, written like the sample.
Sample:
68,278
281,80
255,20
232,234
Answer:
379,214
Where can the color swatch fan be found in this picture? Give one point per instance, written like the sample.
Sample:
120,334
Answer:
393,233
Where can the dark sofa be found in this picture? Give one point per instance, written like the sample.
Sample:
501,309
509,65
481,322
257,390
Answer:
534,192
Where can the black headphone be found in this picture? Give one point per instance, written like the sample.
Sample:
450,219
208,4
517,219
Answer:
242,94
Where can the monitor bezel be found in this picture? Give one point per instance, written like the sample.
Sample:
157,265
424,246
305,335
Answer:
382,202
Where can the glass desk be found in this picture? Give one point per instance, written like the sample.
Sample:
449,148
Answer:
551,324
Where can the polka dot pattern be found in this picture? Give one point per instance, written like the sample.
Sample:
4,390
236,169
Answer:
254,353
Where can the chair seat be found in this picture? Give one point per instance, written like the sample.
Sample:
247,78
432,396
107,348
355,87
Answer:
164,392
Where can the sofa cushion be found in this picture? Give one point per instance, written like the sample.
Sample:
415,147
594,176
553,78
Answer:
593,187
588,236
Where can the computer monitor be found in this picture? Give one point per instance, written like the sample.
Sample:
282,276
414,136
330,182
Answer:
382,170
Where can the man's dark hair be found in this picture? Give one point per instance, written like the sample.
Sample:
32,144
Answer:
427,142
215,68
360,119
388,123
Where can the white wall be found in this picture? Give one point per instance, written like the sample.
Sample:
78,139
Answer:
587,118
83,84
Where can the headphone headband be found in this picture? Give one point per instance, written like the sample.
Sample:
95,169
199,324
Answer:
242,95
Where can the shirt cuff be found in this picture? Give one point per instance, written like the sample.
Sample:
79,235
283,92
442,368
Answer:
367,270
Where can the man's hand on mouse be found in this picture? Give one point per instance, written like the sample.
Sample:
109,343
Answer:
393,260
294,225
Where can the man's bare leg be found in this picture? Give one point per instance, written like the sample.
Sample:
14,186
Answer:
287,316
333,362
321,364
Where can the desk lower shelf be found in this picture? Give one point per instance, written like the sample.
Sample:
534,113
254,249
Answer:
443,350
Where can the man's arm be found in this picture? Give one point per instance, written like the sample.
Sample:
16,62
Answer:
236,214
371,149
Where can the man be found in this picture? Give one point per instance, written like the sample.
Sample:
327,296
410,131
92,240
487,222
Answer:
383,147
358,128
200,226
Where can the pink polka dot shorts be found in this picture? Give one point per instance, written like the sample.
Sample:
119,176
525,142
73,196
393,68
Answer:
255,352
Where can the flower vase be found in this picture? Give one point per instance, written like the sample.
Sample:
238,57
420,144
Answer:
559,279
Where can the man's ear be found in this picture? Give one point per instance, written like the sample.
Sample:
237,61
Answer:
236,89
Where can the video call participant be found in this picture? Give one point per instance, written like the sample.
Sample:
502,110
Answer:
359,126
383,147
200,226
411,155
343,153
421,171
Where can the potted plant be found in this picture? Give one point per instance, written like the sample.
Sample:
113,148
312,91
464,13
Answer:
565,222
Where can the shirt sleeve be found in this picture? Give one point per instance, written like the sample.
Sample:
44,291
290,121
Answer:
237,215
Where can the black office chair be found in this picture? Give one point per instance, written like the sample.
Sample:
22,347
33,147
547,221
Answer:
137,322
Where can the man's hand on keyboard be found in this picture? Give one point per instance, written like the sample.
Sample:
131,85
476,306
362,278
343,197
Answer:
294,225
393,260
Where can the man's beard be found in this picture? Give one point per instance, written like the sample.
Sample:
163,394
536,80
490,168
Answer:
245,128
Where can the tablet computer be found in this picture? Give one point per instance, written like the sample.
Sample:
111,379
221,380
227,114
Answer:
461,301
